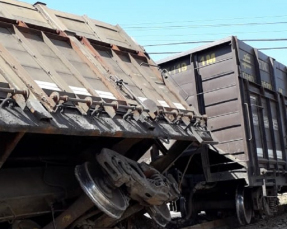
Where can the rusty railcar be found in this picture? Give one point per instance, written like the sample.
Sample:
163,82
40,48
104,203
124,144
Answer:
243,92
80,104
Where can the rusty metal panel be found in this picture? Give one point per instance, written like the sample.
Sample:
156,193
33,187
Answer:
87,27
40,15
84,85
22,12
160,85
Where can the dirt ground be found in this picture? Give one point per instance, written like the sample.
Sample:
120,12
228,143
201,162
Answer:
278,222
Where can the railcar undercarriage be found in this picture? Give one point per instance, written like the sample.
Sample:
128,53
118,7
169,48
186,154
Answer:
61,184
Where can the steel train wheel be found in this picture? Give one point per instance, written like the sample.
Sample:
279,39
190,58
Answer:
160,214
243,205
111,201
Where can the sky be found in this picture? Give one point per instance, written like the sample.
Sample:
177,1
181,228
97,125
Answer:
157,22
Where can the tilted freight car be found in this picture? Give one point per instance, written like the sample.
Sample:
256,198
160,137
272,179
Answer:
243,92
80,104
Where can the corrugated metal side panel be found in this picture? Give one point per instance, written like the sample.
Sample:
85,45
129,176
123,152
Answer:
220,90
40,15
264,82
208,80
61,83
281,80
87,27
244,94
182,76
23,12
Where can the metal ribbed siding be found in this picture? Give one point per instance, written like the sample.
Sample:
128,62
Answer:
243,92
46,55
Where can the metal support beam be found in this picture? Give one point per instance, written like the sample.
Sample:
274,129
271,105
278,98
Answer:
10,141
175,151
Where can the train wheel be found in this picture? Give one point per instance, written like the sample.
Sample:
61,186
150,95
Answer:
160,214
243,204
111,201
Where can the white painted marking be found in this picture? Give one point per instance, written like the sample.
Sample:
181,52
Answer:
179,106
79,90
270,153
105,94
48,85
279,154
142,99
163,103
259,152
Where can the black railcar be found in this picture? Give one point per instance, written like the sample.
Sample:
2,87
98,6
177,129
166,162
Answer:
244,94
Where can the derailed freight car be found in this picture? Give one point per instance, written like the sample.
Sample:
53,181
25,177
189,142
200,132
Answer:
80,104
243,92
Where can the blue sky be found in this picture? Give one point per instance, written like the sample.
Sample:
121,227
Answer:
158,22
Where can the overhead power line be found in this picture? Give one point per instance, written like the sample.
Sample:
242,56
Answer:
268,39
273,48
218,19
179,43
207,34
155,53
204,25
268,48
196,42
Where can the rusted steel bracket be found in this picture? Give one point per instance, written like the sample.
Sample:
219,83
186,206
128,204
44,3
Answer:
9,142
60,100
11,93
14,91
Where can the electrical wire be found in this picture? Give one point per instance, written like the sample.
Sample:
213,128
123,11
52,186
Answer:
272,48
205,25
218,19
206,34
155,53
160,53
196,42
